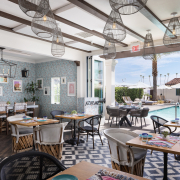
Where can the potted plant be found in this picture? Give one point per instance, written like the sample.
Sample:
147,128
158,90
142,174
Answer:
165,135
31,88
8,103
74,112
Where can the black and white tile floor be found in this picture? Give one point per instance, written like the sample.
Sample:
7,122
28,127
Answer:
101,156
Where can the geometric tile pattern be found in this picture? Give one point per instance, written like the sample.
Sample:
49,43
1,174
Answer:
100,155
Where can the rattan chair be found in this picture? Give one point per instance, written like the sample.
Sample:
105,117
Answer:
30,165
3,116
22,136
123,157
142,113
20,108
49,139
92,127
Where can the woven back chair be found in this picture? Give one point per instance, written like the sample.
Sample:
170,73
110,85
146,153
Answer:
20,108
92,127
22,136
3,116
56,112
49,139
30,165
123,157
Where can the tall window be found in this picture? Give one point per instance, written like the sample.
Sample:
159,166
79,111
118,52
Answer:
177,92
55,90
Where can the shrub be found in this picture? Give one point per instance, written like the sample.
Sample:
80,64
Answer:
124,91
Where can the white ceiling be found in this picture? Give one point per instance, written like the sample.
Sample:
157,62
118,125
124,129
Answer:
137,22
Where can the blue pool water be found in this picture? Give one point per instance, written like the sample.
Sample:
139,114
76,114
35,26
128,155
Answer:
166,113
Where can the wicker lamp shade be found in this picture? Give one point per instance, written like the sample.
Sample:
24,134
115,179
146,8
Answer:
109,49
127,7
44,27
113,25
148,49
30,7
171,37
58,48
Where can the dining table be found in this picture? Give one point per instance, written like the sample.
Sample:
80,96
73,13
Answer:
75,118
175,149
128,108
34,123
84,170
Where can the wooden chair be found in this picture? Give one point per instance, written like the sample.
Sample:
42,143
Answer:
4,115
91,129
20,108
124,158
49,139
22,136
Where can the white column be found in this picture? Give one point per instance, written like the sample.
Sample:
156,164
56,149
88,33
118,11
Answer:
110,83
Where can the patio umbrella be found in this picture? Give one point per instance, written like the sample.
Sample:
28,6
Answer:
163,87
140,85
123,84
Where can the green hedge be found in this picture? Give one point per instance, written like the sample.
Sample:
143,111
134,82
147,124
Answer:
124,91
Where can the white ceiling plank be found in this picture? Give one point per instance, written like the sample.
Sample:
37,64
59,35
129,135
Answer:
64,8
19,27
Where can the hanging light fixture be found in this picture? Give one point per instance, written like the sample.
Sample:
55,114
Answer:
7,69
127,7
113,25
45,26
30,7
57,47
148,49
109,49
171,37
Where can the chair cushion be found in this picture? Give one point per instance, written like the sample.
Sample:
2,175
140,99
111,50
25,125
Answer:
89,128
138,153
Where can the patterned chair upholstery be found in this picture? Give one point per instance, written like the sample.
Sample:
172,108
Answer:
125,158
49,139
22,136
4,115
20,108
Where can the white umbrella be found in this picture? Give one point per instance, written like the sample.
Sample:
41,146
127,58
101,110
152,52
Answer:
124,84
140,85
164,87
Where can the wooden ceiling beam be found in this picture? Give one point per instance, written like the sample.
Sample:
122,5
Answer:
26,22
72,24
11,31
101,15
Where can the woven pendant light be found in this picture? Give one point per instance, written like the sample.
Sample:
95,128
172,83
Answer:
171,37
44,27
127,7
113,25
57,47
30,7
148,49
109,49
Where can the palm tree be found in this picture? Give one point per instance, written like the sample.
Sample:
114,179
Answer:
176,75
164,79
154,74
150,80
168,77
160,78
140,77
143,79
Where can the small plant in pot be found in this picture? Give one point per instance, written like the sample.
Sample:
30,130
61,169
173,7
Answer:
8,103
74,112
165,135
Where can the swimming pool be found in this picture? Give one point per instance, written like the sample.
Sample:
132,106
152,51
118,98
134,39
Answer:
166,113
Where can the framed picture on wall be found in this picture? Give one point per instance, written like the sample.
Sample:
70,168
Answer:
1,91
39,83
46,90
71,89
4,79
63,80
17,85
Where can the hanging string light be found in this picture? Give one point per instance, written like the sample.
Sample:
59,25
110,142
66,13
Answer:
7,69
127,7
171,37
57,48
113,25
148,49
31,7
45,26
109,49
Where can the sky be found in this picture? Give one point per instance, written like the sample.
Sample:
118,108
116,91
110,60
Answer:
129,69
